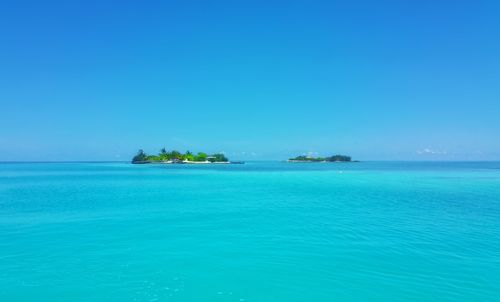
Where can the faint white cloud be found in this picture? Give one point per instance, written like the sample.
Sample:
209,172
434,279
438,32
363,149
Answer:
242,154
429,151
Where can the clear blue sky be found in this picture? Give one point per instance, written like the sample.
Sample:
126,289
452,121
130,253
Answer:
88,80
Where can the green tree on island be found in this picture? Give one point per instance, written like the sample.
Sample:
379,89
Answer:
188,156
175,155
164,154
200,156
218,157
140,156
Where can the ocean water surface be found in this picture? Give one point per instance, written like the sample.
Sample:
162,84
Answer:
262,231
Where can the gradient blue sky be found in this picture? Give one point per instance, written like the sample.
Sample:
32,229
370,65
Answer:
96,80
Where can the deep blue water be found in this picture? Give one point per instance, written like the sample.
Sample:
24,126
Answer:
262,231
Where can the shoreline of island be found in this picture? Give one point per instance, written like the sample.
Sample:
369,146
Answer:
188,162
174,157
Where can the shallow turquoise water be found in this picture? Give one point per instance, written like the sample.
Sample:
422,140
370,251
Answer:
263,231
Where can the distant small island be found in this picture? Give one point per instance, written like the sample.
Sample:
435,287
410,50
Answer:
175,157
309,159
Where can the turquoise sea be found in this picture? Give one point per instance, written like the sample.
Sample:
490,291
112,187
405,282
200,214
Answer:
262,231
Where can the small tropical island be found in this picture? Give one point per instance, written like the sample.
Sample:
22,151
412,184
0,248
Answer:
176,157
309,159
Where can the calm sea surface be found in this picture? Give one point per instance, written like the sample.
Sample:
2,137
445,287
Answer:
262,231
